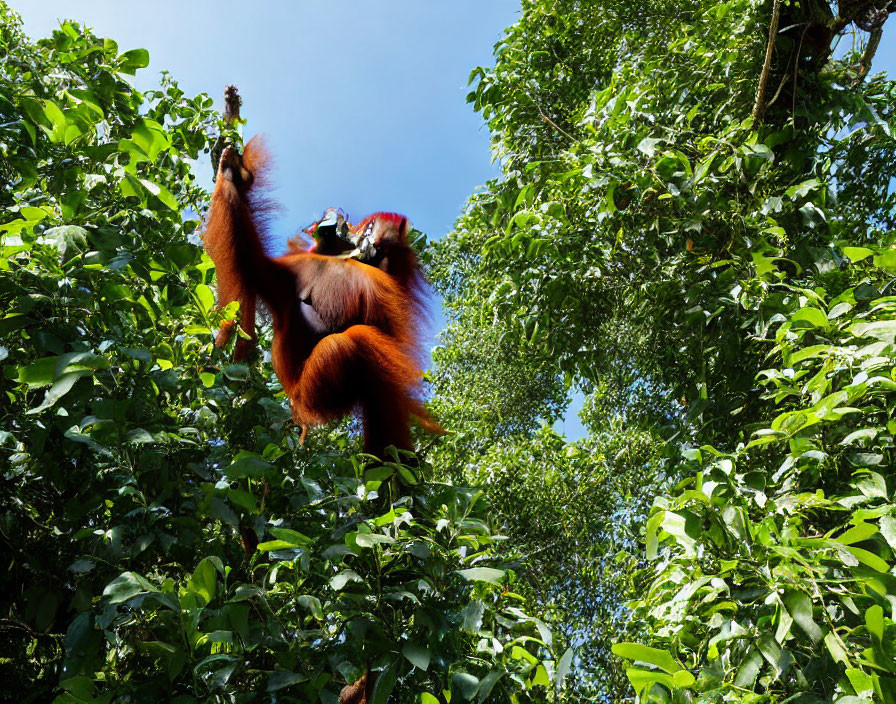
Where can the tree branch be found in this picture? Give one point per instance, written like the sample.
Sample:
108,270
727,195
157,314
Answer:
759,106
232,102
868,54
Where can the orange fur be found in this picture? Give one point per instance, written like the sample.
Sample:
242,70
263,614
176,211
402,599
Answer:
345,333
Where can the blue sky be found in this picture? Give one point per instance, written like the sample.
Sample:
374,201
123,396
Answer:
363,102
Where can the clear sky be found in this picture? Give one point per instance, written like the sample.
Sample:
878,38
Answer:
363,102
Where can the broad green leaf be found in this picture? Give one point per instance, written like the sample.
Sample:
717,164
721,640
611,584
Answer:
683,679
132,60
160,192
60,387
800,607
520,653
482,574
874,620
271,545
56,119
280,679
813,316
384,684
882,330
652,534
338,582
641,679
465,683
563,668
648,145
643,653
418,655
126,586
203,582
801,190
206,297
368,540
857,254
835,649
869,558
676,525
860,681
541,678
857,533
292,537
886,260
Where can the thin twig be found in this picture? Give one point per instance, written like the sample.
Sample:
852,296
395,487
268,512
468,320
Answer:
759,107
554,124
778,92
796,70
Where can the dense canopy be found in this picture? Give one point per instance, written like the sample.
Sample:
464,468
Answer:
694,229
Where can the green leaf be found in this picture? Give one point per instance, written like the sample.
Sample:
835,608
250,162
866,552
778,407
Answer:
162,193
518,652
206,297
874,620
857,254
835,649
418,655
857,533
749,670
67,239
280,679
882,330
382,688
368,540
203,582
652,656
642,679
126,586
338,582
60,387
860,681
541,678
813,316
886,260
465,683
487,685
870,559
291,537
800,607
801,190
483,574
563,668
312,605
132,60
150,137
427,698
652,534
888,530
56,119
39,373
683,679
676,525
271,545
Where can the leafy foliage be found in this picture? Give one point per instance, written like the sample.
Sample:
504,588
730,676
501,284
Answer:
675,257
166,537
